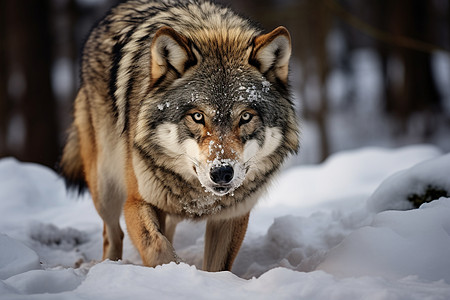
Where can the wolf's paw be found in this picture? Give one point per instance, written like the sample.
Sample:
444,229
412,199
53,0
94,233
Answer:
159,252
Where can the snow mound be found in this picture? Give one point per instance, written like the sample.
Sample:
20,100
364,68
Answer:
343,175
45,281
186,282
397,244
428,180
296,242
16,258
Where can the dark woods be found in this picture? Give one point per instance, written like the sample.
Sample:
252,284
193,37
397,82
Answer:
40,45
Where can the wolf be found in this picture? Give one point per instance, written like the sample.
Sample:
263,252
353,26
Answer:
183,112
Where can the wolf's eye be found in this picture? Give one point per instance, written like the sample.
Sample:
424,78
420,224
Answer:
245,118
198,118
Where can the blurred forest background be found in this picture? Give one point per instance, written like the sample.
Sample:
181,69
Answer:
364,73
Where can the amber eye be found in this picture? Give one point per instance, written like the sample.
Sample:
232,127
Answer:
245,118
198,118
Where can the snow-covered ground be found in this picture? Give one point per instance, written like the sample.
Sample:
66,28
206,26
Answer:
343,229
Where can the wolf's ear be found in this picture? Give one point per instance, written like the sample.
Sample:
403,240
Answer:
171,56
271,52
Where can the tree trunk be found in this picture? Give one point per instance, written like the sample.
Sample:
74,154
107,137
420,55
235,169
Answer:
417,91
29,37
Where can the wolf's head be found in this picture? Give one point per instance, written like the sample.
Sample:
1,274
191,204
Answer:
220,112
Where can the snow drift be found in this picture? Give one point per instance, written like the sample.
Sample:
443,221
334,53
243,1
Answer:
345,229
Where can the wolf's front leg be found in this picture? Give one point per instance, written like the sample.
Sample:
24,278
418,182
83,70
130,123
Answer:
223,238
145,225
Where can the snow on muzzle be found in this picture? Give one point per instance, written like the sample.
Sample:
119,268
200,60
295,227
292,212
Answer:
221,176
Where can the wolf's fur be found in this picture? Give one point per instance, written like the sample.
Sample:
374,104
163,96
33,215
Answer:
183,112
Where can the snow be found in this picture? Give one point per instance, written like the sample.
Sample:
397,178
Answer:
395,190
343,229
396,245
16,257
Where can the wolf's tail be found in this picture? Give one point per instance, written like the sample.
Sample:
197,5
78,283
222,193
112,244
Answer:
71,164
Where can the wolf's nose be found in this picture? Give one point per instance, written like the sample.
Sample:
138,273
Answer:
222,174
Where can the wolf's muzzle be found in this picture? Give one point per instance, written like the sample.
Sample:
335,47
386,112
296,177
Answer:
222,175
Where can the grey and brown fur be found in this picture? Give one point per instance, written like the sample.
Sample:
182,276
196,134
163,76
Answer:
183,113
